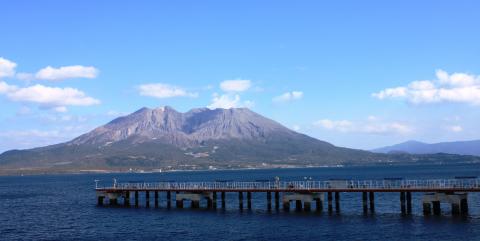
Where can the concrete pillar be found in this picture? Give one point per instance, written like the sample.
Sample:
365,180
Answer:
329,198
277,200
298,205
136,199
409,202
113,201
169,199
209,203
156,199
126,199
402,203
240,200
455,209
364,202
195,204
307,206
436,207
337,202
249,200
214,197
286,206
223,200
269,201
319,204
147,199
179,203
427,208
464,206
100,200
372,202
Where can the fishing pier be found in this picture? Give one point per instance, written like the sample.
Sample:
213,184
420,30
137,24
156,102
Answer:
303,195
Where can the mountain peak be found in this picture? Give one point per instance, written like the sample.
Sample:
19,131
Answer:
167,125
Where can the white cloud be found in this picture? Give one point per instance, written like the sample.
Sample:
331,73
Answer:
340,125
455,128
372,126
288,96
47,97
235,85
456,88
7,68
159,90
66,72
296,127
227,101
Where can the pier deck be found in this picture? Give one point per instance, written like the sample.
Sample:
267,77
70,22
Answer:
302,193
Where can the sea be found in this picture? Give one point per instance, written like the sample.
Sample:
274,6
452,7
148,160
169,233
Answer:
63,207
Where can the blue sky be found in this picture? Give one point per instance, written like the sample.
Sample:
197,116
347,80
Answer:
357,74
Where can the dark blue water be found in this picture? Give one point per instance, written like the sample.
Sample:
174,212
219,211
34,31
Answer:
63,207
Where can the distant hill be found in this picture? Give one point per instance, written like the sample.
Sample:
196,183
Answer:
416,147
163,138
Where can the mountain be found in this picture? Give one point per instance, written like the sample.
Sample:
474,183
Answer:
163,138
416,147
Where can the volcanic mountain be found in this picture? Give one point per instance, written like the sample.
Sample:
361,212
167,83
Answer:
163,138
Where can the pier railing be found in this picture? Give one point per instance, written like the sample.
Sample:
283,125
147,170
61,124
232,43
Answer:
440,184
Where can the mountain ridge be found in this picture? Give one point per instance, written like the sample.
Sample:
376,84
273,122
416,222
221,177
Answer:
471,147
199,139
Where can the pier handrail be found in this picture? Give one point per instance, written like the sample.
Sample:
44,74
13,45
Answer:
442,184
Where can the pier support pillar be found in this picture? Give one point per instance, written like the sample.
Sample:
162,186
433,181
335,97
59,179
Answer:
147,199
329,198
113,201
427,209
269,201
409,203
169,199
298,205
136,199
223,200
249,200
195,204
126,199
372,202
364,202
277,200
464,206
179,203
337,202
240,200
286,206
209,203
100,200
214,200
319,204
156,199
436,207
307,206
402,203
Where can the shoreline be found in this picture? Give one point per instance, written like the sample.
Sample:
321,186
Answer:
34,172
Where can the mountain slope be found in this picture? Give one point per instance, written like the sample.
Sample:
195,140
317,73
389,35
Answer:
415,147
163,138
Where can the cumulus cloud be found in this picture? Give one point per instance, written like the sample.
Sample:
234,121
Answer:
160,90
66,72
289,96
47,97
7,68
455,128
227,101
456,88
235,85
372,126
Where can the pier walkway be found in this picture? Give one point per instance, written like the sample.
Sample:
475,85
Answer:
303,193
